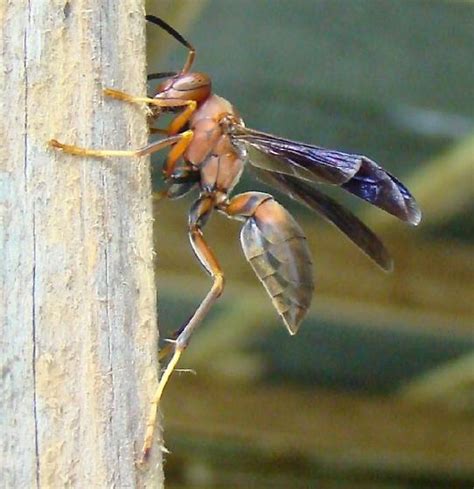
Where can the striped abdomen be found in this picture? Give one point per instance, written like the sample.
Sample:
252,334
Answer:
277,250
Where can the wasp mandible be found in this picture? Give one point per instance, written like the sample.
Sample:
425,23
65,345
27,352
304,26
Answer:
209,147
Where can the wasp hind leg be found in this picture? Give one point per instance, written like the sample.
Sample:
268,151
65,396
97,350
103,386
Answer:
199,214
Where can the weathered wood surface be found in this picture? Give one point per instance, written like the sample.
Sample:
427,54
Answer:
77,298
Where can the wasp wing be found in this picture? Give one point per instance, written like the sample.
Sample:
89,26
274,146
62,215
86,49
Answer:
377,186
356,174
343,219
301,160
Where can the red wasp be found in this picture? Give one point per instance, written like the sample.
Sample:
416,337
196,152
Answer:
210,146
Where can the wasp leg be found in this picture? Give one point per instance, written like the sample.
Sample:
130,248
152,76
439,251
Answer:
181,119
198,216
133,99
186,174
176,124
182,181
171,103
177,140
276,248
168,348
177,151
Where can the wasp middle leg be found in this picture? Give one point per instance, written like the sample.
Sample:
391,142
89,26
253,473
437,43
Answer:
181,141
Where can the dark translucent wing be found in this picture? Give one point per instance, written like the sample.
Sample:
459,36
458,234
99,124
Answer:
344,220
298,159
356,174
375,185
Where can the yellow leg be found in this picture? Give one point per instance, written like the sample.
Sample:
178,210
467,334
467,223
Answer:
200,210
78,151
176,124
150,425
101,153
160,102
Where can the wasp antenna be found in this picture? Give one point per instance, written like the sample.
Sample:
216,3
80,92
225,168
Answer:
173,32
163,74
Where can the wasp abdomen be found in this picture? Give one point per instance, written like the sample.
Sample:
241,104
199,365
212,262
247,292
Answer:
276,248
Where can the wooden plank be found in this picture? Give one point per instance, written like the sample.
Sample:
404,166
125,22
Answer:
18,460
77,298
340,432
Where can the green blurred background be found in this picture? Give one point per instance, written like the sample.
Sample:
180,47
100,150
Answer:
377,389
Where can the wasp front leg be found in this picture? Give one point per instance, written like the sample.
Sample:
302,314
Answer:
169,103
276,248
198,216
165,103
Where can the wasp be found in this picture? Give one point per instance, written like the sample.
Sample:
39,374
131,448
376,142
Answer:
209,146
